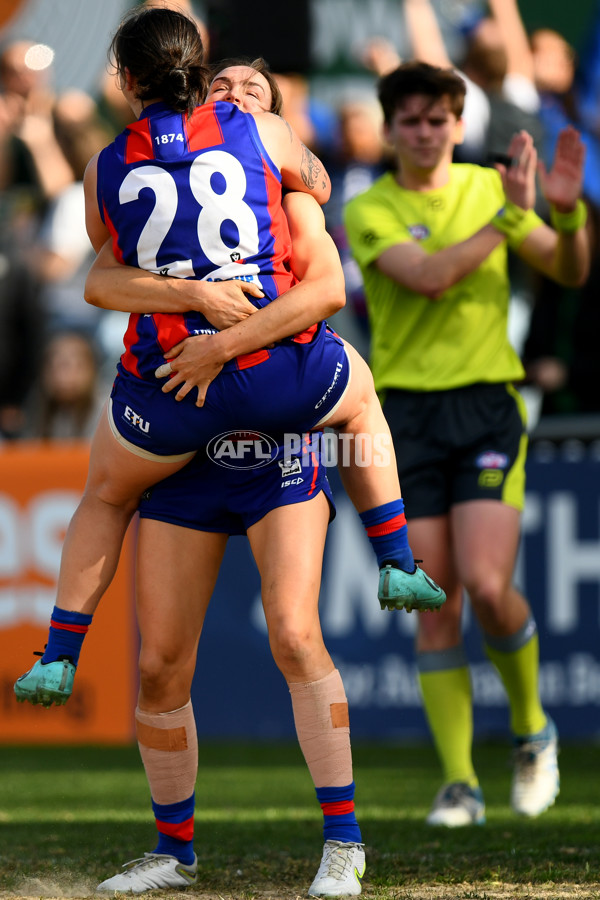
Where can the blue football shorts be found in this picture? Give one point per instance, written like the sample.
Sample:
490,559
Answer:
219,496
293,390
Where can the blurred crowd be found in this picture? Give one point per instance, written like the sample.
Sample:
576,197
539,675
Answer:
58,354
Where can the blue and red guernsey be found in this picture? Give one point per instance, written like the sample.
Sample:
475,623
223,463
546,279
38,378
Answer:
193,197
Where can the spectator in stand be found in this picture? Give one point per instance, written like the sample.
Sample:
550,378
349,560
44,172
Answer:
560,358
554,64
587,77
21,324
66,404
501,96
560,353
33,168
361,157
64,253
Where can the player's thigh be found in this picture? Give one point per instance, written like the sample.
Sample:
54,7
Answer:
486,540
176,573
116,474
288,545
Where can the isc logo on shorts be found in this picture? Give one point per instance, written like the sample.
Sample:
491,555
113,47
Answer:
291,481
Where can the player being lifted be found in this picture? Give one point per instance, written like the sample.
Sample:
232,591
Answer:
225,164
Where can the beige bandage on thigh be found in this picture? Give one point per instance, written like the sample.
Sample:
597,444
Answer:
168,745
323,729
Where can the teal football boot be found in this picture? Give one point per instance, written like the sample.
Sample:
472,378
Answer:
47,683
408,590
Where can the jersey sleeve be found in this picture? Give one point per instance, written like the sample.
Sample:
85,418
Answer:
372,227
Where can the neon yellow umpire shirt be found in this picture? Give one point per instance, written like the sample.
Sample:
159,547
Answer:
422,345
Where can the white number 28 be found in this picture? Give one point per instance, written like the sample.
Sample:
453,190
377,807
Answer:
216,207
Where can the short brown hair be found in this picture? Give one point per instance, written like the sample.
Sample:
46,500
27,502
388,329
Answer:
420,78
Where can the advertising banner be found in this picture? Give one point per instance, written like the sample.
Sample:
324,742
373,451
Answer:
558,569
238,691
40,487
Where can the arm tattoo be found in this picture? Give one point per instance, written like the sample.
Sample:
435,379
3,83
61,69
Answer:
309,168
290,132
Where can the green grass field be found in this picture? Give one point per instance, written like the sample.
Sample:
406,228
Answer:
70,817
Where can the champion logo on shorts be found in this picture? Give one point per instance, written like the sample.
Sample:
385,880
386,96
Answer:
491,459
419,232
338,368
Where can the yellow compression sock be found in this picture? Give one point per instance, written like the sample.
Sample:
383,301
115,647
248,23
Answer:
446,689
517,658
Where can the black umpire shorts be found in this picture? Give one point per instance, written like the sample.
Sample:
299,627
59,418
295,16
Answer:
463,444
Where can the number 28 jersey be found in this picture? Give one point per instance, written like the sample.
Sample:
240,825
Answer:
193,197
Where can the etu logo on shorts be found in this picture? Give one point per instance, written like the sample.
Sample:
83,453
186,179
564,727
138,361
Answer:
136,420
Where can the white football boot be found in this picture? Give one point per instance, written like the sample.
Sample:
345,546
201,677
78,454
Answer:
536,780
341,870
152,871
457,804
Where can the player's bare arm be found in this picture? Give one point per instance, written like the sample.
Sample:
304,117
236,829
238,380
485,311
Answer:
312,170
97,231
300,169
111,285
319,294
